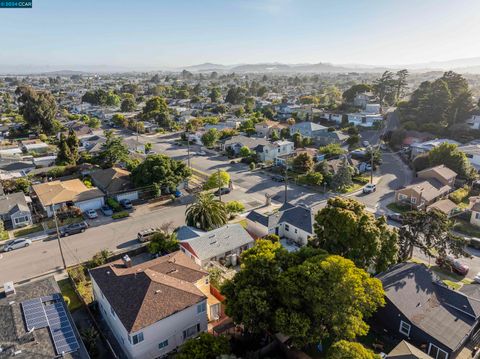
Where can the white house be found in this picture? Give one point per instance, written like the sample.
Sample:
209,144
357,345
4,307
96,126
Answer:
364,119
224,244
271,151
474,122
291,222
473,154
152,308
475,209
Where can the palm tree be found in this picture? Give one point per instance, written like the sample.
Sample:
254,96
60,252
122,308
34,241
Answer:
206,212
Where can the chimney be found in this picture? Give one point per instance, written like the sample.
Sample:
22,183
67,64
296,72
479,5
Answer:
9,288
127,262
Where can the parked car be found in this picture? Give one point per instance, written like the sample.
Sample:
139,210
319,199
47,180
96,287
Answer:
222,191
369,188
73,228
278,178
473,242
201,153
476,279
177,194
146,234
368,167
453,264
16,243
91,214
126,203
106,210
365,143
396,217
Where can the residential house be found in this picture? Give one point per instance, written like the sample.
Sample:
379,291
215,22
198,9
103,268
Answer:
284,111
35,323
427,146
364,119
115,182
153,307
267,127
373,108
475,211
224,245
421,309
235,143
14,210
431,185
325,138
57,194
10,150
474,122
405,350
44,161
294,223
473,154
312,152
445,206
308,129
10,169
272,151
363,99
35,146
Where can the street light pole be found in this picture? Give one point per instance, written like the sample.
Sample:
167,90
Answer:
219,181
58,236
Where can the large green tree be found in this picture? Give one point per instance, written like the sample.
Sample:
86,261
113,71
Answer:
206,212
128,104
342,179
64,156
205,346
430,232
163,242
38,108
343,349
303,163
345,228
308,295
156,109
160,170
349,95
217,180
114,150
210,138
449,155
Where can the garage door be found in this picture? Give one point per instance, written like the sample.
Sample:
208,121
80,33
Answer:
132,196
95,203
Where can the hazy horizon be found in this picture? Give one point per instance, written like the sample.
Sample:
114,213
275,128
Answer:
160,34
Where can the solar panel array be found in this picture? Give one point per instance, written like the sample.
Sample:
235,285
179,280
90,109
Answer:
50,312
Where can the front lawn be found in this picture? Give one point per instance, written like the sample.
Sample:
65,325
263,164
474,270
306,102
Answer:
353,188
398,208
69,220
69,295
28,230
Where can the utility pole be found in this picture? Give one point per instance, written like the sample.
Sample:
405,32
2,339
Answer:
371,164
286,183
188,146
219,185
58,236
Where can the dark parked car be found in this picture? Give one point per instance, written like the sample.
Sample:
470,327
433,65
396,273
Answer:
222,191
73,229
278,178
396,217
126,203
453,264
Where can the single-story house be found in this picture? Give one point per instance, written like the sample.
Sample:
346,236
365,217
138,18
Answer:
224,244
325,138
57,194
423,310
289,221
14,210
15,169
364,119
237,142
445,206
427,146
115,182
35,146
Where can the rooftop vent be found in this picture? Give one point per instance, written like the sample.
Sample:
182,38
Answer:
158,291
9,288
127,262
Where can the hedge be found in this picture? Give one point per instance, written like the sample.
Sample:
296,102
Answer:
119,215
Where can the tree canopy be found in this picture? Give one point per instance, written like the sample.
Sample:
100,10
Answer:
303,163
38,108
160,170
114,150
449,155
206,212
308,295
344,349
345,228
205,346
216,180
210,138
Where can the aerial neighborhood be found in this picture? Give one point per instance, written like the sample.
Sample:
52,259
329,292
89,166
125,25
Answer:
212,213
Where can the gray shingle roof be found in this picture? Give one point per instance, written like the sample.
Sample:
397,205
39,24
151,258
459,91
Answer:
307,126
13,202
297,216
444,314
219,241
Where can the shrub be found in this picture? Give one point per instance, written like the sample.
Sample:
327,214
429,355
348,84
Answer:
114,204
459,195
252,166
361,179
120,215
99,258
77,274
235,207
311,178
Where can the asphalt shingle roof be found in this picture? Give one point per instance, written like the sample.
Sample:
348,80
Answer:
444,314
297,216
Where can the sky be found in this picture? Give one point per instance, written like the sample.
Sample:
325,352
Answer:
175,33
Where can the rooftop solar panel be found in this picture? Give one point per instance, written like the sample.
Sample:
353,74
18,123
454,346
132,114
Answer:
49,311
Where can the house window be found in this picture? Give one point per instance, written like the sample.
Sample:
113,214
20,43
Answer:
296,231
21,220
477,215
437,353
402,197
201,308
404,328
191,331
137,338
413,200
287,227
163,344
